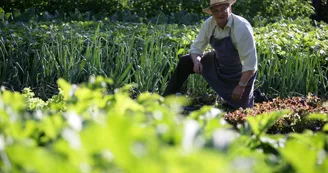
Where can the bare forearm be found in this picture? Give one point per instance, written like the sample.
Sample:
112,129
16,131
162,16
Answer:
246,76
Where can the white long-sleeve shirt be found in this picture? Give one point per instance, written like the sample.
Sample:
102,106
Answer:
241,35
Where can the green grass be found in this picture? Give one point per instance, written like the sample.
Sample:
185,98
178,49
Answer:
291,55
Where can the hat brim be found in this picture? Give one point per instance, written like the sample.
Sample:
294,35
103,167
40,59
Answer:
208,9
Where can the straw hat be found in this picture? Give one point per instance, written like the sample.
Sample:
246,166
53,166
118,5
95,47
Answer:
217,2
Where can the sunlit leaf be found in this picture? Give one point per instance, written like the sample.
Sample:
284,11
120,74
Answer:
295,150
325,128
261,123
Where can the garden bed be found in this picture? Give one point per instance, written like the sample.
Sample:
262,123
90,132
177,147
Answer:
296,120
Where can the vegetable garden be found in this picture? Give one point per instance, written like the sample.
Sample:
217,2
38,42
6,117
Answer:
81,90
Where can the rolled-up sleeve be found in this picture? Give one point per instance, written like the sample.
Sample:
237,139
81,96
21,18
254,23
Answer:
202,40
245,45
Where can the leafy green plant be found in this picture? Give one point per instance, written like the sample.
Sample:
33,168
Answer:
87,127
293,57
260,124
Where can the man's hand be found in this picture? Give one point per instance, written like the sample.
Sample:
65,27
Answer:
198,67
237,93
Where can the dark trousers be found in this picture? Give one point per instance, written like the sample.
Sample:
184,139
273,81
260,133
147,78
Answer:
184,68
180,75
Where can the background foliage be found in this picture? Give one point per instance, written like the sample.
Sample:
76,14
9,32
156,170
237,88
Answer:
42,41
96,124
292,55
136,10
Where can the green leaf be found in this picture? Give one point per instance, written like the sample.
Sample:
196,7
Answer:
181,51
124,75
318,116
295,150
19,100
33,159
65,87
2,14
147,98
325,128
201,112
261,123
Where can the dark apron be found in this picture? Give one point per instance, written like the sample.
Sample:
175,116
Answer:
223,72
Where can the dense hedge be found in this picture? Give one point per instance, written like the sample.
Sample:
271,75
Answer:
148,7
64,5
253,10
271,11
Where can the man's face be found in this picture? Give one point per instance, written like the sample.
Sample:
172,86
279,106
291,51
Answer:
221,12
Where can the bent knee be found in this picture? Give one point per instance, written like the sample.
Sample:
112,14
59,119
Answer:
186,60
